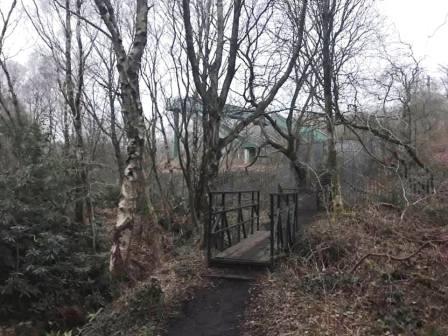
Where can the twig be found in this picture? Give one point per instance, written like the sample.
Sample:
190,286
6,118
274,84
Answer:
389,205
413,204
394,258
85,20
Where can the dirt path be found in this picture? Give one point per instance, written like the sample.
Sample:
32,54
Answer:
218,310
215,311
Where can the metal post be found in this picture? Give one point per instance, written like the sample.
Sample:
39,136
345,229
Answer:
209,226
296,217
224,218
252,212
239,217
279,222
272,227
258,210
288,223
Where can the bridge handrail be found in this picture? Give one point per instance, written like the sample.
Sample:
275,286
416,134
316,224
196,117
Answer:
283,236
218,222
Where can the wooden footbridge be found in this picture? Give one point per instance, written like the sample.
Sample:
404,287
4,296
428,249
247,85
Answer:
239,234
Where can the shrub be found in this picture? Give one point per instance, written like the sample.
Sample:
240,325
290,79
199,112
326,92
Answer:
46,260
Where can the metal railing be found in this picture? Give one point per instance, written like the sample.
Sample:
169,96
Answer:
233,216
284,221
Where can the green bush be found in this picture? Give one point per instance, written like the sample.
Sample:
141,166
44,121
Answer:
46,260
136,314
108,196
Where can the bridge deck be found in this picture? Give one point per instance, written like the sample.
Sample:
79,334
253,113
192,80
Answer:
254,249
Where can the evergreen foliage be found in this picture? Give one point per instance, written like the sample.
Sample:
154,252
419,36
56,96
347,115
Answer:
46,260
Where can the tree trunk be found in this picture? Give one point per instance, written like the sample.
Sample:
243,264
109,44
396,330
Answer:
332,163
113,135
336,202
73,101
66,131
133,186
299,173
210,166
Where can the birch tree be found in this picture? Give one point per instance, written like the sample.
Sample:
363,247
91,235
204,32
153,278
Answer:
128,66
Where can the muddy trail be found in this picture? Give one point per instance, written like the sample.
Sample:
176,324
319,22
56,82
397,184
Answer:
218,310
215,311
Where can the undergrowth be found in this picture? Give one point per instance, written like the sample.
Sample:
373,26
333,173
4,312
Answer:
373,271
145,309
48,266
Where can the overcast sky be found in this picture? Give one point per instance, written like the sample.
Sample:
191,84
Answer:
424,24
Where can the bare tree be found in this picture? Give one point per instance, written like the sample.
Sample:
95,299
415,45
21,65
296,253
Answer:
210,62
398,121
154,58
184,118
69,56
342,30
287,139
103,106
73,97
444,79
12,114
128,65
42,98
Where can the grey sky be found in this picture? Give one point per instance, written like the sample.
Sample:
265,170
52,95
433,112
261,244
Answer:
423,24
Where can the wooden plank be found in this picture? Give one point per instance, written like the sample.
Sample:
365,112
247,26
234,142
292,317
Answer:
253,248
229,276
240,262
245,245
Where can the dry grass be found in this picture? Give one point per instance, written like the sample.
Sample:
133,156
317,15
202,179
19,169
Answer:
369,273
145,308
164,274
